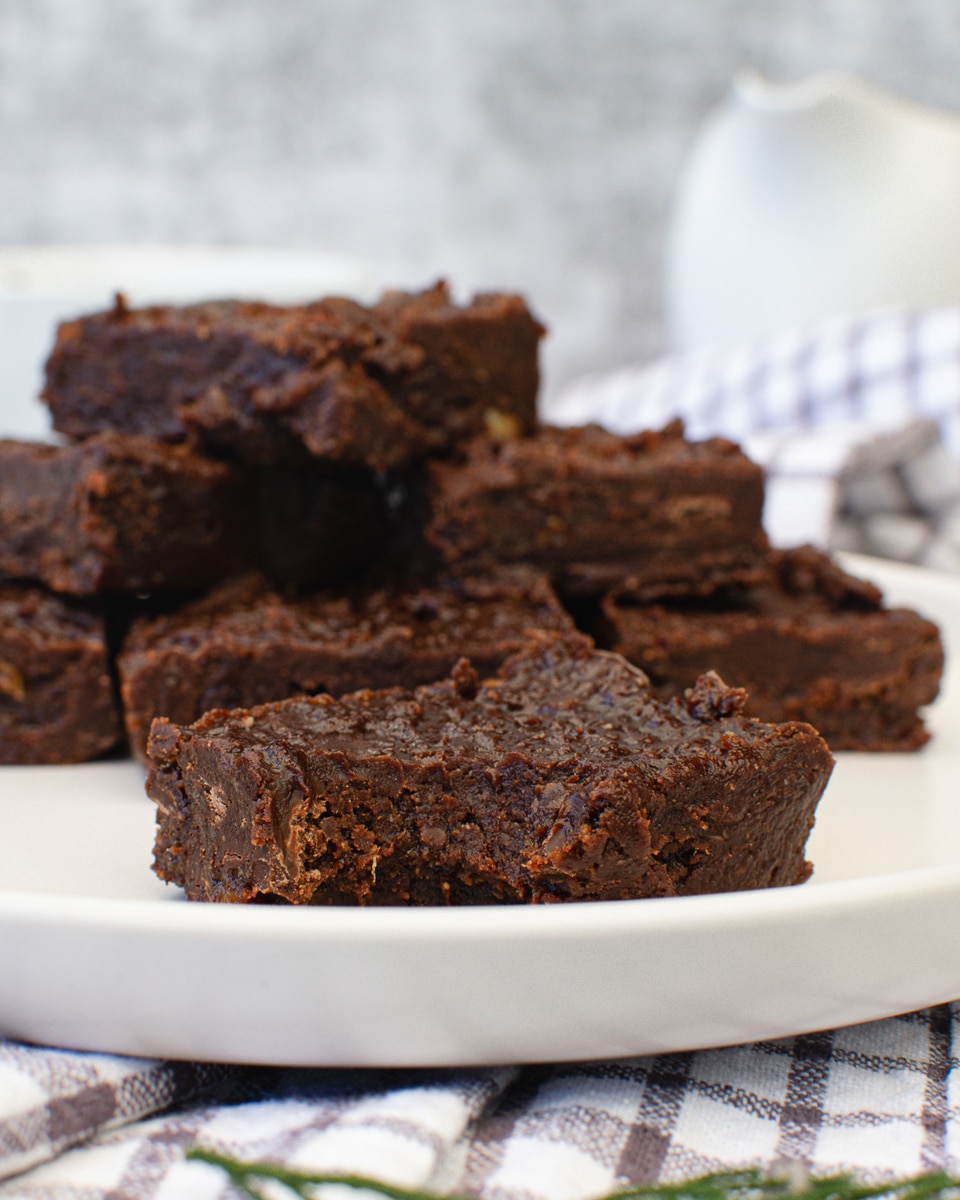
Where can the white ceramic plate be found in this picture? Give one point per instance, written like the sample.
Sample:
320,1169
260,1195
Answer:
95,953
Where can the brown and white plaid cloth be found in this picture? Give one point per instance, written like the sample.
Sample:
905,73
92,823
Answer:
880,1100
857,420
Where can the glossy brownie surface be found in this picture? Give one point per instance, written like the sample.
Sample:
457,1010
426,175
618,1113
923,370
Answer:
371,386
561,779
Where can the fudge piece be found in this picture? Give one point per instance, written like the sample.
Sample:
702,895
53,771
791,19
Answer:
813,644
246,644
124,513
560,779
648,515
56,694
118,513
370,386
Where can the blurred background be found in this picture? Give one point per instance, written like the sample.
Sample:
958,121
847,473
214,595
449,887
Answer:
519,144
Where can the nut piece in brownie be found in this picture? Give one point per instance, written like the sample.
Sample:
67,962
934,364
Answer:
246,644
814,644
371,386
56,695
651,514
560,779
118,513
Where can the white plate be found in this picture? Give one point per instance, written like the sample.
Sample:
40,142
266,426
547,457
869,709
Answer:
97,954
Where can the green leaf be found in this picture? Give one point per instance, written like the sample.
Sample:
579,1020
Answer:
248,1178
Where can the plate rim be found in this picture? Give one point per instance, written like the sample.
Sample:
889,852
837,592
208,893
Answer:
749,907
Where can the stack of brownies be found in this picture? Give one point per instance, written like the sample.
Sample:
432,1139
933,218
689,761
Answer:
255,503
219,524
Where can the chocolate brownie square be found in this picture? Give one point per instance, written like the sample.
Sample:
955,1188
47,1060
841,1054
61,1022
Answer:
119,513
122,513
370,387
813,644
247,644
562,778
648,515
56,695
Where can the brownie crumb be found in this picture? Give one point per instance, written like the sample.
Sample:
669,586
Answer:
466,681
710,698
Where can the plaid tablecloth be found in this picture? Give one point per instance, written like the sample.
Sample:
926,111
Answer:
881,1100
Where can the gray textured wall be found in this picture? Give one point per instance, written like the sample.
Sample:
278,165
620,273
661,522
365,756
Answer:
531,144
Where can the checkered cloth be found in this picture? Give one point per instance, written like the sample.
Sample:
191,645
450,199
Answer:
856,419
880,1100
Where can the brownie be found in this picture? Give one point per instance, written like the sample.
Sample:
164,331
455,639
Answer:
813,644
123,513
560,779
247,644
372,386
118,513
648,515
56,695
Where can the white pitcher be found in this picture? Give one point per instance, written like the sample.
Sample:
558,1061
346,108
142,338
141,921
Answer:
809,200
